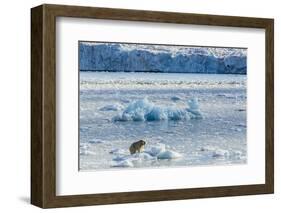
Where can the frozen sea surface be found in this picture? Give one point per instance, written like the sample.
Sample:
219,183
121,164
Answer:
186,119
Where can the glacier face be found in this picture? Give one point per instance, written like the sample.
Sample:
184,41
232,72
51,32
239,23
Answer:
161,58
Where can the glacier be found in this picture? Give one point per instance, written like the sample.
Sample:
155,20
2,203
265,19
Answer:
118,57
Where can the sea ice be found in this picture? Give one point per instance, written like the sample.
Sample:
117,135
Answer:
220,153
123,163
159,150
84,149
185,137
112,107
143,156
152,153
236,129
241,125
193,109
175,98
129,160
207,149
118,151
135,157
96,141
119,158
86,152
216,152
237,154
155,149
144,110
168,154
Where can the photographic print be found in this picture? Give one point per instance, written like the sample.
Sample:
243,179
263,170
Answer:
160,105
110,99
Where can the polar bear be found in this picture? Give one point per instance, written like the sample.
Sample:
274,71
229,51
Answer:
137,147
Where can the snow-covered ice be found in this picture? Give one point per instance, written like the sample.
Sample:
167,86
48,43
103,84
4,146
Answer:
112,107
153,153
155,149
168,155
175,98
123,163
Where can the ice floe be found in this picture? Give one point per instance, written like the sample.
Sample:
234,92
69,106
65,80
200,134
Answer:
151,153
84,149
175,98
241,125
207,148
145,110
216,152
112,107
124,163
220,153
156,149
193,109
96,141
168,155
118,151
241,110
